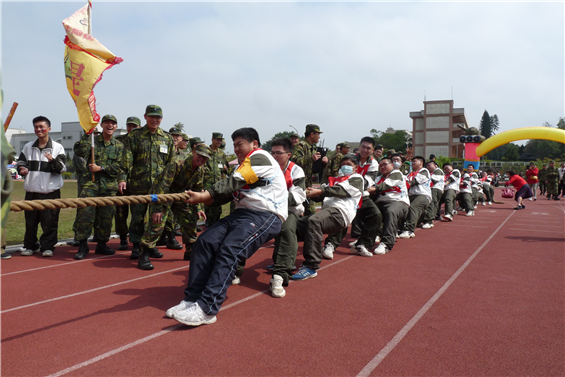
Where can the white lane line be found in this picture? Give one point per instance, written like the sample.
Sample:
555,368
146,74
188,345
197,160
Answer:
167,330
93,290
374,363
63,264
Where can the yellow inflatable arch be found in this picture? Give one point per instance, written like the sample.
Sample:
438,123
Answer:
543,133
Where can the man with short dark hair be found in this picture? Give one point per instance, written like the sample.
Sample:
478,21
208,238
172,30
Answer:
41,163
452,180
420,195
437,184
261,193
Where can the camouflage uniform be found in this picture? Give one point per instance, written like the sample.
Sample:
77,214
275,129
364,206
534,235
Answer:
302,156
107,155
542,175
214,173
122,212
145,157
177,177
552,178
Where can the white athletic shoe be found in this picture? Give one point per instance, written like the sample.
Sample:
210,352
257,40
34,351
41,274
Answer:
352,243
475,207
406,234
177,308
276,286
427,226
47,253
470,213
361,250
194,316
483,204
27,252
381,249
236,280
453,213
377,240
530,199
448,217
328,252
489,203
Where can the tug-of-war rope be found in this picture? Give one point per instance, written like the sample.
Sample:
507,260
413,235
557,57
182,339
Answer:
34,205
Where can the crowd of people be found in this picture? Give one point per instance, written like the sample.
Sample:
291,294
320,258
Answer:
382,196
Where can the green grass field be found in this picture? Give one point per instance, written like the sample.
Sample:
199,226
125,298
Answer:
15,226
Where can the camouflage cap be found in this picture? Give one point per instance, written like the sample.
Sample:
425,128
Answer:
193,141
175,131
294,134
313,128
223,145
217,135
133,120
154,110
345,144
202,150
552,162
109,117
379,147
185,137
390,152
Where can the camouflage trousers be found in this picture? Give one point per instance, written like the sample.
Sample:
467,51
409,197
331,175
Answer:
85,216
185,214
552,189
213,214
137,223
122,213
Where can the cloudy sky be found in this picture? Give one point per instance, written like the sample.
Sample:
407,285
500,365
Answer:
348,67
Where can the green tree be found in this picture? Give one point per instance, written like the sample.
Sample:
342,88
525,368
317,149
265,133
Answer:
267,145
485,127
494,123
396,141
512,153
561,123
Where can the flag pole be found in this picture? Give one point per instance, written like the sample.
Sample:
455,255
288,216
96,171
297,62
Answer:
92,133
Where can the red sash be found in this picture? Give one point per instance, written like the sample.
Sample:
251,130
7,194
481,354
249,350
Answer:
410,178
333,180
287,176
363,170
395,188
446,176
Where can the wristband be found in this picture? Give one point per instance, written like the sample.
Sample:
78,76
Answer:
154,198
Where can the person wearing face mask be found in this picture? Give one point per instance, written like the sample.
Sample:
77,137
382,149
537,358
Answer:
366,223
340,199
420,196
452,179
392,202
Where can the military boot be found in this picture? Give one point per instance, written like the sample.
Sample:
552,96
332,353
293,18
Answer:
123,243
188,251
82,250
173,244
101,248
154,253
144,263
135,251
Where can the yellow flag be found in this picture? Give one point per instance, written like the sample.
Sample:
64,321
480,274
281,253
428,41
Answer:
86,59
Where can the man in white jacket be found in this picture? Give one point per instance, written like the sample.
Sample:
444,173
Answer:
41,163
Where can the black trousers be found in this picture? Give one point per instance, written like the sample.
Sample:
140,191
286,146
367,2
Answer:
49,220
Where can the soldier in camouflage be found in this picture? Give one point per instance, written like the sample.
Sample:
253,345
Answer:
335,162
216,169
108,173
122,212
178,176
378,153
147,151
542,175
551,180
294,139
304,154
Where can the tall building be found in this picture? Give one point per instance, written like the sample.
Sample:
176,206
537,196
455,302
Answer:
435,131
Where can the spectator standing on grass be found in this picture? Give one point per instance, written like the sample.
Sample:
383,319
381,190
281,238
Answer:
108,174
523,191
41,162
532,179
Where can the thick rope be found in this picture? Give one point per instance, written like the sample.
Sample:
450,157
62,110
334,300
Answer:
33,205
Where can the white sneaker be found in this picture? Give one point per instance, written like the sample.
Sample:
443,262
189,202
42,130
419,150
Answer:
530,199
328,252
276,286
470,213
236,280
448,217
361,250
475,207
194,316
397,235
483,203
352,243
377,240
453,213
177,308
406,234
427,226
47,253
489,203
28,252
381,249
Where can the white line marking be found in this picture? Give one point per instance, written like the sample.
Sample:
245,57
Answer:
374,363
63,264
165,331
92,290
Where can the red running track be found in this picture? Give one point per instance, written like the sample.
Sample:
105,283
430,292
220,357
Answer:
480,296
